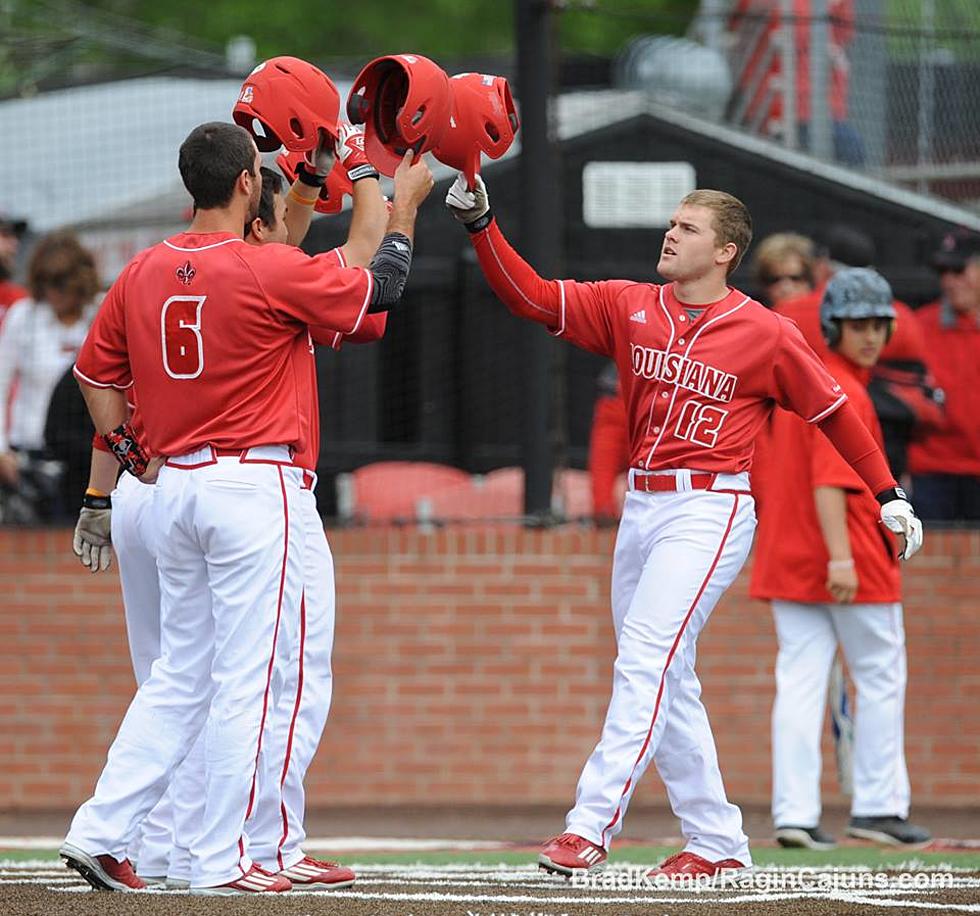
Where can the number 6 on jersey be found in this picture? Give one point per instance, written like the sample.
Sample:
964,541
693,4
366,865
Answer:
180,336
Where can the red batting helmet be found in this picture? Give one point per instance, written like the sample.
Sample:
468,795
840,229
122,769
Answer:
403,101
484,120
289,99
331,199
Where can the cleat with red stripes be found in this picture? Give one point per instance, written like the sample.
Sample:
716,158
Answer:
569,853
686,865
103,872
254,881
313,874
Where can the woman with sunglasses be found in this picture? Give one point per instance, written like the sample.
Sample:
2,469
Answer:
783,267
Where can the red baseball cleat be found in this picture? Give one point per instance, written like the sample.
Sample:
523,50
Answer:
312,874
254,881
689,865
569,852
103,872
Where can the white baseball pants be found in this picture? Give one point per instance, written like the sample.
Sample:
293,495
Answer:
133,541
229,554
676,553
873,639
276,830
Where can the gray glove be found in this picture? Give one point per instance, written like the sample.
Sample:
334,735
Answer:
93,540
471,208
320,160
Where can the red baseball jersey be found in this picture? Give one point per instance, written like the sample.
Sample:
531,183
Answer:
790,553
205,325
697,391
371,328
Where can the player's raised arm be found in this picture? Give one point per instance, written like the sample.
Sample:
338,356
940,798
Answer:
393,259
511,278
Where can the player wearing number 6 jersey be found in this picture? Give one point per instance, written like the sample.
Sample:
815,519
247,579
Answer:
205,328
701,367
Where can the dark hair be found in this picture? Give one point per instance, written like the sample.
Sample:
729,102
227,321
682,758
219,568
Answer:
271,186
60,261
211,159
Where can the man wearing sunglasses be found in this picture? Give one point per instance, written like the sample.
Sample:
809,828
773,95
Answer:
946,464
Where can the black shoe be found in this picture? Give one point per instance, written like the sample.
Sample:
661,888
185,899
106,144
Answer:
890,831
804,838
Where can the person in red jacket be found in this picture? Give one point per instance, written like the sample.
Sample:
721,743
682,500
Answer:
945,464
906,397
831,572
609,455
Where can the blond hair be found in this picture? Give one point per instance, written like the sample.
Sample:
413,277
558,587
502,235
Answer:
731,223
776,248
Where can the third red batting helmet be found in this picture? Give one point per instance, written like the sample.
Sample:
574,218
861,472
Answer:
403,101
484,120
290,99
331,199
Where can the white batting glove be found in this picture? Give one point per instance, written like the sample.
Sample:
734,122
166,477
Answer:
898,516
92,542
471,208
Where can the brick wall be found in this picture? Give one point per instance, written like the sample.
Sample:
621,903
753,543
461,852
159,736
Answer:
471,666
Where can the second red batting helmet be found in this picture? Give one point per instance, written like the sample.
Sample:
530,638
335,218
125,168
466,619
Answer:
331,199
289,99
403,101
484,121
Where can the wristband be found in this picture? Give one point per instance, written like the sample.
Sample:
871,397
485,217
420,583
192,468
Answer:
96,499
129,453
886,496
366,170
309,177
305,201
841,564
480,223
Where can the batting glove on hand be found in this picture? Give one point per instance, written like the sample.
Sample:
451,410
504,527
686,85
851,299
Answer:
350,151
470,207
313,170
93,541
898,516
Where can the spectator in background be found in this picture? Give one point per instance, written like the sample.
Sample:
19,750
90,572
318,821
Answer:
609,454
945,464
902,388
832,575
39,340
11,231
782,267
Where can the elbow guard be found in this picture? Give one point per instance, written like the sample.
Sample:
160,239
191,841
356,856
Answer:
389,267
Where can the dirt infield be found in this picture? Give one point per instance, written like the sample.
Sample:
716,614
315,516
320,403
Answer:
45,888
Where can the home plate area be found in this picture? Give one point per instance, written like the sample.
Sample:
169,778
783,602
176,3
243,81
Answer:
44,886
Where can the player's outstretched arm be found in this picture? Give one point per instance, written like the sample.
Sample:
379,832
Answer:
511,278
857,446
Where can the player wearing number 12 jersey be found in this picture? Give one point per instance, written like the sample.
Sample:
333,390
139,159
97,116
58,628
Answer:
205,327
701,366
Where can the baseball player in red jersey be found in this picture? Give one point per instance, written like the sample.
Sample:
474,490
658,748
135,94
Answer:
162,848
205,326
832,576
701,367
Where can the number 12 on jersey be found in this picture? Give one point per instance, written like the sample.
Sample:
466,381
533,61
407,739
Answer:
180,336
700,423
